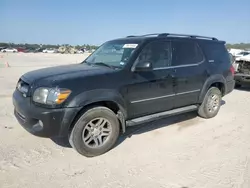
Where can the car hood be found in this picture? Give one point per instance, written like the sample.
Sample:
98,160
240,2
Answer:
244,58
64,70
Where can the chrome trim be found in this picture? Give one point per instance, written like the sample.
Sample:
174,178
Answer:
179,66
149,99
187,92
165,96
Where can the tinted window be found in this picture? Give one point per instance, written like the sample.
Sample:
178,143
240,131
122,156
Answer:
186,52
217,52
157,52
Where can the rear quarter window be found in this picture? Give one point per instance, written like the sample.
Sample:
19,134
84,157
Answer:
216,52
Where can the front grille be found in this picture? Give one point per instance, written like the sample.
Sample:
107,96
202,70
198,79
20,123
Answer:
23,87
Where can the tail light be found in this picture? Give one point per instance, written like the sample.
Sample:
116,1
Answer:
232,70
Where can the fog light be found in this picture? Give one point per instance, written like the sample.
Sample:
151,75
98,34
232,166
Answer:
38,126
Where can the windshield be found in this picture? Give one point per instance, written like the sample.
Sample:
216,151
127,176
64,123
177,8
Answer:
112,54
243,53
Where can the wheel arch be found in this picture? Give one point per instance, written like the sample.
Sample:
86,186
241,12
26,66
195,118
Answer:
101,97
213,81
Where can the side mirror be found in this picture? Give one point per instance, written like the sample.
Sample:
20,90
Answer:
143,66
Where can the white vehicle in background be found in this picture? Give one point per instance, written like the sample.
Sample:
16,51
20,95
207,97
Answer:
49,50
241,54
244,58
79,52
13,50
242,71
240,61
235,51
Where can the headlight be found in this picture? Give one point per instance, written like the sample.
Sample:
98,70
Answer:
50,95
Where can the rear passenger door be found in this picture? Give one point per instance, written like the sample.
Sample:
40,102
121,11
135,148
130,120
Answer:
188,69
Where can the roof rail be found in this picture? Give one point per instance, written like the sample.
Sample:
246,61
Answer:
175,34
147,35
185,35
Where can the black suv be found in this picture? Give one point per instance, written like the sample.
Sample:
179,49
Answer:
125,82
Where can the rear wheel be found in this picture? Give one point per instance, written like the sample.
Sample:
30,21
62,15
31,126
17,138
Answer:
95,132
211,103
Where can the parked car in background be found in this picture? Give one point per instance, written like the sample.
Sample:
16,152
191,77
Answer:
1,48
13,50
235,51
241,54
38,50
22,49
49,50
242,68
79,52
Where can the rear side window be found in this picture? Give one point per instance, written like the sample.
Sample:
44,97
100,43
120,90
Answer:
216,52
186,53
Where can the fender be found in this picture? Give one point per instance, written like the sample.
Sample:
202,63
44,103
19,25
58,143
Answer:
210,80
100,95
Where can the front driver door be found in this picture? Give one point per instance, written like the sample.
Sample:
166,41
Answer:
152,91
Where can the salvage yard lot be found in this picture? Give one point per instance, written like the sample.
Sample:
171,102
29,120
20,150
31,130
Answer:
181,151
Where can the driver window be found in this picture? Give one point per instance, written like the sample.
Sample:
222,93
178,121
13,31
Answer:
158,53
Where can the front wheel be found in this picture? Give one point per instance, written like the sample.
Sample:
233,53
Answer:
95,132
211,103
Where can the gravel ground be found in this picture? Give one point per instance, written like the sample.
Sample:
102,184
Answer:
177,152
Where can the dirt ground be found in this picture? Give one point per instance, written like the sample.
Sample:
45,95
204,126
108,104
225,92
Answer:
181,151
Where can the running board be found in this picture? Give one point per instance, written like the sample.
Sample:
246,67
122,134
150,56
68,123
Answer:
160,115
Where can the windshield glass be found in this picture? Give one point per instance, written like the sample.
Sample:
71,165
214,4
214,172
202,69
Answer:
112,54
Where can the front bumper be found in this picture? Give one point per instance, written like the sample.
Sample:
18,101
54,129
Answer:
242,78
40,121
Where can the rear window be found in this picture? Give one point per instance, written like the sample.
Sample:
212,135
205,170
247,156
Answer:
186,52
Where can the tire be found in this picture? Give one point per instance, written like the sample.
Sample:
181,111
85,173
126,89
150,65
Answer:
83,126
210,107
237,85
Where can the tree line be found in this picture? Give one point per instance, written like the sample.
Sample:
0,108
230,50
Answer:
245,46
35,46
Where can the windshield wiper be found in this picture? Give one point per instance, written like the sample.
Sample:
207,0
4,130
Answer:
84,61
100,64
103,64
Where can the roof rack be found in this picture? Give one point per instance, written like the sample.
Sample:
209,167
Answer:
147,35
177,35
185,35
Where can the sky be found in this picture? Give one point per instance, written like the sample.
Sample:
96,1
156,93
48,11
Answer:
94,22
